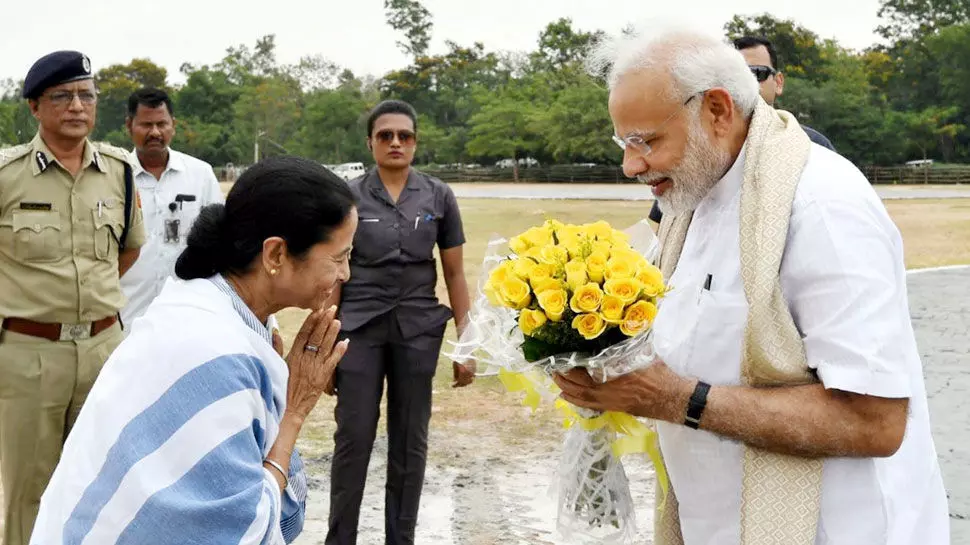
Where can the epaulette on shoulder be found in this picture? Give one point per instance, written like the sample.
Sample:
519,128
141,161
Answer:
114,152
9,155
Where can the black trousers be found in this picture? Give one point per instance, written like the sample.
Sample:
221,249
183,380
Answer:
376,352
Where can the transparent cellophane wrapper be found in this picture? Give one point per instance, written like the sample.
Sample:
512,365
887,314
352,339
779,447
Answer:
594,500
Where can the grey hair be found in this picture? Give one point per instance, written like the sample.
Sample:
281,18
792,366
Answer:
696,62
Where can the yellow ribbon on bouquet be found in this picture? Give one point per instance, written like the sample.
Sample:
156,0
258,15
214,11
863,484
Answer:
633,436
522,382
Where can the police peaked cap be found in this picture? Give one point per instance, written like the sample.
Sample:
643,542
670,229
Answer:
54,69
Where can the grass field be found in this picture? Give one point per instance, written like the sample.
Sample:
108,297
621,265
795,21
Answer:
935,233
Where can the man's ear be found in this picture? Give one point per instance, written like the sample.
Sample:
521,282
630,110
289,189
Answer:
719,108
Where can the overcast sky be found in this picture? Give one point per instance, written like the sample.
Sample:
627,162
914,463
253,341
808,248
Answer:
353,33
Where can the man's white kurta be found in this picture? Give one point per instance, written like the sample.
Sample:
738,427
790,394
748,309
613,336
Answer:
844,279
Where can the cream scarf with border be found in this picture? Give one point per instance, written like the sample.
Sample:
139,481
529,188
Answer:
780,495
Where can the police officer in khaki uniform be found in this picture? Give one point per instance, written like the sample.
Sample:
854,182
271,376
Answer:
69,226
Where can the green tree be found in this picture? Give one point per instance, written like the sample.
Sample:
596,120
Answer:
17,125
951,46
847,109
577,126
414,20
506,125
916,19
332,128
799,49
115,84
931,128
561,47
314,72
268,112
242,64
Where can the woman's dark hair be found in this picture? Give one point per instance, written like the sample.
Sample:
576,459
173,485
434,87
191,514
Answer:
391,107
292,198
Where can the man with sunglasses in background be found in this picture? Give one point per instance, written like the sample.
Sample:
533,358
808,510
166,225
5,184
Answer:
69,228
762,59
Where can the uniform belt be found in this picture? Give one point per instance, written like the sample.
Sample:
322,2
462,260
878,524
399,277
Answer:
58,332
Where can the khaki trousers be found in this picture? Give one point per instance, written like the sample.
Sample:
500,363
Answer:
43,385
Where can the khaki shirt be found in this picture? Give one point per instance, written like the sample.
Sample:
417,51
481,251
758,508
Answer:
59,234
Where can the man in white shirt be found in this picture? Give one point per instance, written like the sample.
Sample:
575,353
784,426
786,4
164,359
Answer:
172,186
682,104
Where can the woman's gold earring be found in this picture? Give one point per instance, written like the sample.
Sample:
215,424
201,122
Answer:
273,272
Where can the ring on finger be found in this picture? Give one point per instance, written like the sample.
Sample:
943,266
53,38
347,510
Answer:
311,348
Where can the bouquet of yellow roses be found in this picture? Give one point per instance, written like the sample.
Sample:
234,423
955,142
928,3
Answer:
566,296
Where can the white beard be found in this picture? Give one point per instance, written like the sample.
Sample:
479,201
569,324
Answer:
700,169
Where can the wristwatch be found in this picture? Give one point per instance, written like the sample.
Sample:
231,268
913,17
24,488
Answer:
696,404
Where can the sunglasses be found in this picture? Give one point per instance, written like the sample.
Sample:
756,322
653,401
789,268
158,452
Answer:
762,73
387,136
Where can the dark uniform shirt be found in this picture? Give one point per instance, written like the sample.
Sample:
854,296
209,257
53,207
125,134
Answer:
816,137
392,267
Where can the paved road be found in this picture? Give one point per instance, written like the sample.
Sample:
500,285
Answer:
638,192
940,308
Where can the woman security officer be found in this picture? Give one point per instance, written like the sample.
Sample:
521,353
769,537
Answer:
390,313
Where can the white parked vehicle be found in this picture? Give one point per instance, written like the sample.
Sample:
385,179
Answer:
348,171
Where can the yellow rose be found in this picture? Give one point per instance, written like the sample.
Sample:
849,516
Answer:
619,238
575,248
538,236
620,267
596,266
533,253
601,230
587,298
500,273
495,279
553,225
522,267
576,274
553,255
601,247
569,232
553,302
612,309
546,284
492,294
531,320
540,271
589,326
626,253
638,317
626,289
652,280
519,245
515,293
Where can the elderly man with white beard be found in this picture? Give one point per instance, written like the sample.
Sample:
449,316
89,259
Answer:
788,389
